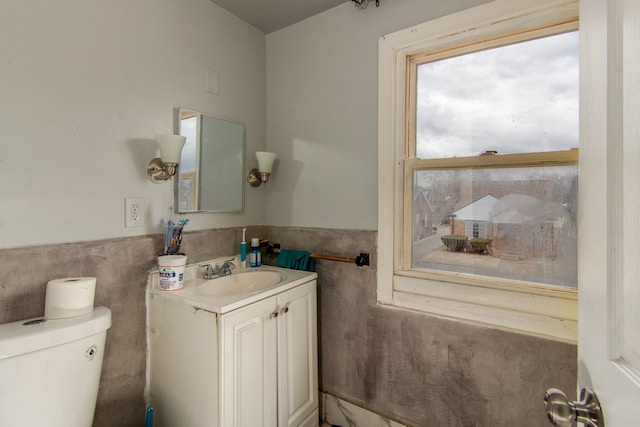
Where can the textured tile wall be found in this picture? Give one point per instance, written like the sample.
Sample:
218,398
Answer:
121,267
416,369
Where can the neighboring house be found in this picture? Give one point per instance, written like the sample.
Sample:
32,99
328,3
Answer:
472,219
519,226
423,218
526,227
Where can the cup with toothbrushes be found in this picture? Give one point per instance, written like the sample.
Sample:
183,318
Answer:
173,236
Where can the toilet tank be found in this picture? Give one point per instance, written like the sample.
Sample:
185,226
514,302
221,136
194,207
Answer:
50,370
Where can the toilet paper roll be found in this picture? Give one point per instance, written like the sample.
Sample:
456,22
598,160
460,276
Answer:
70,297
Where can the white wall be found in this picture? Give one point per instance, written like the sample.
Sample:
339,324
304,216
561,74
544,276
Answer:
322,111
85,85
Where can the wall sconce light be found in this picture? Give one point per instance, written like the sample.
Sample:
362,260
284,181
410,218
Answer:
164,167
261,174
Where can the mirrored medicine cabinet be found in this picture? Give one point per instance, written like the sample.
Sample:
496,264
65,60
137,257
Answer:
210,174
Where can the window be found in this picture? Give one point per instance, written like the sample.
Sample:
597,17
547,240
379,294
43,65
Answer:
477,126
476,230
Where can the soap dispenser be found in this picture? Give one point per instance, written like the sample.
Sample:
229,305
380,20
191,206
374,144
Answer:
255,256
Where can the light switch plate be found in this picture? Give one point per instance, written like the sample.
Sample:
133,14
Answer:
133,212
211,81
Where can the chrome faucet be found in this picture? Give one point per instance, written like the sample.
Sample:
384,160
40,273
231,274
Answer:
208,272
219,271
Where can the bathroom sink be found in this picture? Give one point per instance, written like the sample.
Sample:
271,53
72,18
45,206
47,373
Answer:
245,282
239,289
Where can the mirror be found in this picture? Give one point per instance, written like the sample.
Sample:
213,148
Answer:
210,174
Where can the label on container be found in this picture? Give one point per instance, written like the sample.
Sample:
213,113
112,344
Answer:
255,258
171,278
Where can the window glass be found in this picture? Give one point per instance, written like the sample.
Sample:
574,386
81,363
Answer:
509,221
513,223
511,99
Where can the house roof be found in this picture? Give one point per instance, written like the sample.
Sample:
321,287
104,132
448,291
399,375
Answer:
478,210
521,209
511,209
419,193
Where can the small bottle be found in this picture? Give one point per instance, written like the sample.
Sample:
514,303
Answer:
255,256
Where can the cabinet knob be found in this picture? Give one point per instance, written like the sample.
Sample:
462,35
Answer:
274,314
285,309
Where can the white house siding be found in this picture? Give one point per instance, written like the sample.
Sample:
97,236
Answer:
476,211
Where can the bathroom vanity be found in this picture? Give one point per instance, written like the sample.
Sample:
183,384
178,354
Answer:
240,350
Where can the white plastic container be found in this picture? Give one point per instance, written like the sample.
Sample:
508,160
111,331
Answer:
172,271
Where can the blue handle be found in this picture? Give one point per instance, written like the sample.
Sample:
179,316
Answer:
149,418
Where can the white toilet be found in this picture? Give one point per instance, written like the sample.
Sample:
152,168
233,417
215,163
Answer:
50,370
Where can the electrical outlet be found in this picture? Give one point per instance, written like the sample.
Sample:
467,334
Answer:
133,212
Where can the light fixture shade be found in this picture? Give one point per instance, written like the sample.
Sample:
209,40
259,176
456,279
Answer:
170,147
265,161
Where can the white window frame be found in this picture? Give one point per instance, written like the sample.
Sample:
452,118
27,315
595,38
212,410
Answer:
544,311
469,225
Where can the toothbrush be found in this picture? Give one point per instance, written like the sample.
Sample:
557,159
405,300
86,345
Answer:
243,249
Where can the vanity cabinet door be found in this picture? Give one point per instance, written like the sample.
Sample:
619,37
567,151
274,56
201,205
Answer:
297,355
269,361
248,377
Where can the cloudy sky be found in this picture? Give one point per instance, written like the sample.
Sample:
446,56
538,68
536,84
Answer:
519,98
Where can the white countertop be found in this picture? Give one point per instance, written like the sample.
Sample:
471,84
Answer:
225,303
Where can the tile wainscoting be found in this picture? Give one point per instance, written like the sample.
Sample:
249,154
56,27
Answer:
405,366
121,267
417,369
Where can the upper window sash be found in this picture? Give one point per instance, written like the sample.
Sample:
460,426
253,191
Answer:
413,61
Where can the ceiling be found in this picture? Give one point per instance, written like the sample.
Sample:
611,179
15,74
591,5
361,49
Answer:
272,15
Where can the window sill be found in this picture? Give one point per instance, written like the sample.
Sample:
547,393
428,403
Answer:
544,312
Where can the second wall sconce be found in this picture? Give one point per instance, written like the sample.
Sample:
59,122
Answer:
164,167
261,174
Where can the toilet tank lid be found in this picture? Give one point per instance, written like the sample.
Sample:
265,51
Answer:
18,338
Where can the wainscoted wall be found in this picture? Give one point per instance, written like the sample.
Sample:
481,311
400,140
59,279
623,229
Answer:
415,369
121,267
